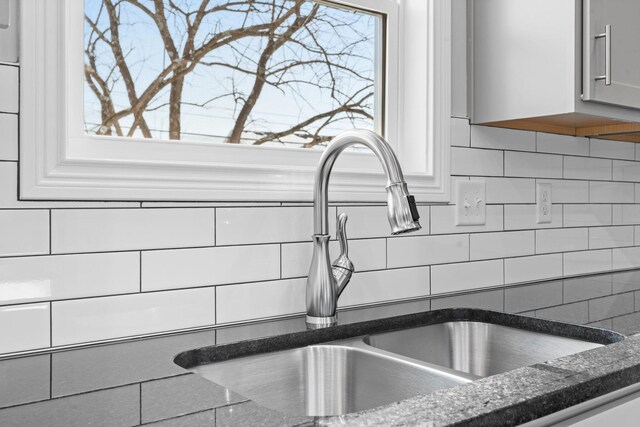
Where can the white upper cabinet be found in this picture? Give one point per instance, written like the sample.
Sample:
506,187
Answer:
8,31
548,65
611,48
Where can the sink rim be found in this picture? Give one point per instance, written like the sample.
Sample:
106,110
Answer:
215,353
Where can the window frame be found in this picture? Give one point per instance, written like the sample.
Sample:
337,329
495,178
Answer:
58,161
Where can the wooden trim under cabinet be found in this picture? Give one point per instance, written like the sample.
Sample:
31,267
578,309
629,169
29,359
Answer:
576,124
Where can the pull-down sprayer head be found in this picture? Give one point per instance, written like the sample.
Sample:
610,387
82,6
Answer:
401,209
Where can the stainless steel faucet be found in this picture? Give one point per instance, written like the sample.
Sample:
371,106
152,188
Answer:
326,282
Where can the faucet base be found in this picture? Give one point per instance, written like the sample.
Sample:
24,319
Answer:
321,322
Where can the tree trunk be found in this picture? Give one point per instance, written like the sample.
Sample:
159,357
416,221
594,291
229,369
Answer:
175,105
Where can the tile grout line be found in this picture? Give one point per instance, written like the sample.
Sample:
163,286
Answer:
50,323
50,375
50,231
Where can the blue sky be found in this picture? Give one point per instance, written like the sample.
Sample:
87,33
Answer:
275,109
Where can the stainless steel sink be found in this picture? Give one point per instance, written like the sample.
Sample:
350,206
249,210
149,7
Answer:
452,347
329,379
477,348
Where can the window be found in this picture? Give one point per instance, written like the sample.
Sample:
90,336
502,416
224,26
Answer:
264,73
229,99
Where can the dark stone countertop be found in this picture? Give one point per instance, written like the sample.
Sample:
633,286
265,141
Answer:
136,382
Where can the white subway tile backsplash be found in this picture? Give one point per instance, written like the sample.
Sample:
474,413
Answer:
538,267
242,226
562,240
9,89
259,300
427,250
443,220
471,161
371,221
460,132
610,237
511,190
625,281
466,276
185,268
587,168
522,217
492,299
367,254
8,137
577,312
47,278
567,191
612,149
532,165
586,262
367,221
387,285
95,319
25,380
502,245
25,327
530,297
611,192
586,215
562,144
626,214
502,139
24,232
96,230
610,306
584,288
626,258
626,171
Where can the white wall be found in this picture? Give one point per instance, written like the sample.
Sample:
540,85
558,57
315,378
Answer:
74,272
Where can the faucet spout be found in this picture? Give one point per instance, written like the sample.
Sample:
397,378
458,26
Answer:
325,283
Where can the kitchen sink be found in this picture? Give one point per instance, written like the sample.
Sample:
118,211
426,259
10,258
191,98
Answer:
324,380
477,348
354,367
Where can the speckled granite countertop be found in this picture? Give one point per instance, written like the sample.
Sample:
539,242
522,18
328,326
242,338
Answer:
137,383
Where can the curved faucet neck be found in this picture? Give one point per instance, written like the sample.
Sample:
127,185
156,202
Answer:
370,139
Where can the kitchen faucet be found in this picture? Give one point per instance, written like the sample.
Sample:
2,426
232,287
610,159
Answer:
326,282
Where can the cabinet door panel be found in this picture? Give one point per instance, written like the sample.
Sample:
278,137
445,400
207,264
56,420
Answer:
624,18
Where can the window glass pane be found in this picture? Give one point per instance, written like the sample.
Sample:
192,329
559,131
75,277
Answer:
262,72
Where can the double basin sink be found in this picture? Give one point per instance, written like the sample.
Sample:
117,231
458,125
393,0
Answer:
367,371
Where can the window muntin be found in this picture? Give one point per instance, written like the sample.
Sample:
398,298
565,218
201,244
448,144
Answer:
266,72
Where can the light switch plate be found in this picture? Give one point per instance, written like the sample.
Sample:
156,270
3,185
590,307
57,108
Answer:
543,203
471,207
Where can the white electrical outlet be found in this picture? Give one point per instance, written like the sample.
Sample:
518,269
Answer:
471,207
543,203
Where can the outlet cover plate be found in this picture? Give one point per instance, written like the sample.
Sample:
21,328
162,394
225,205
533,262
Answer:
471,208
543,203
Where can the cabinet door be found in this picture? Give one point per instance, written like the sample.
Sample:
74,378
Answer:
621,46
8,30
